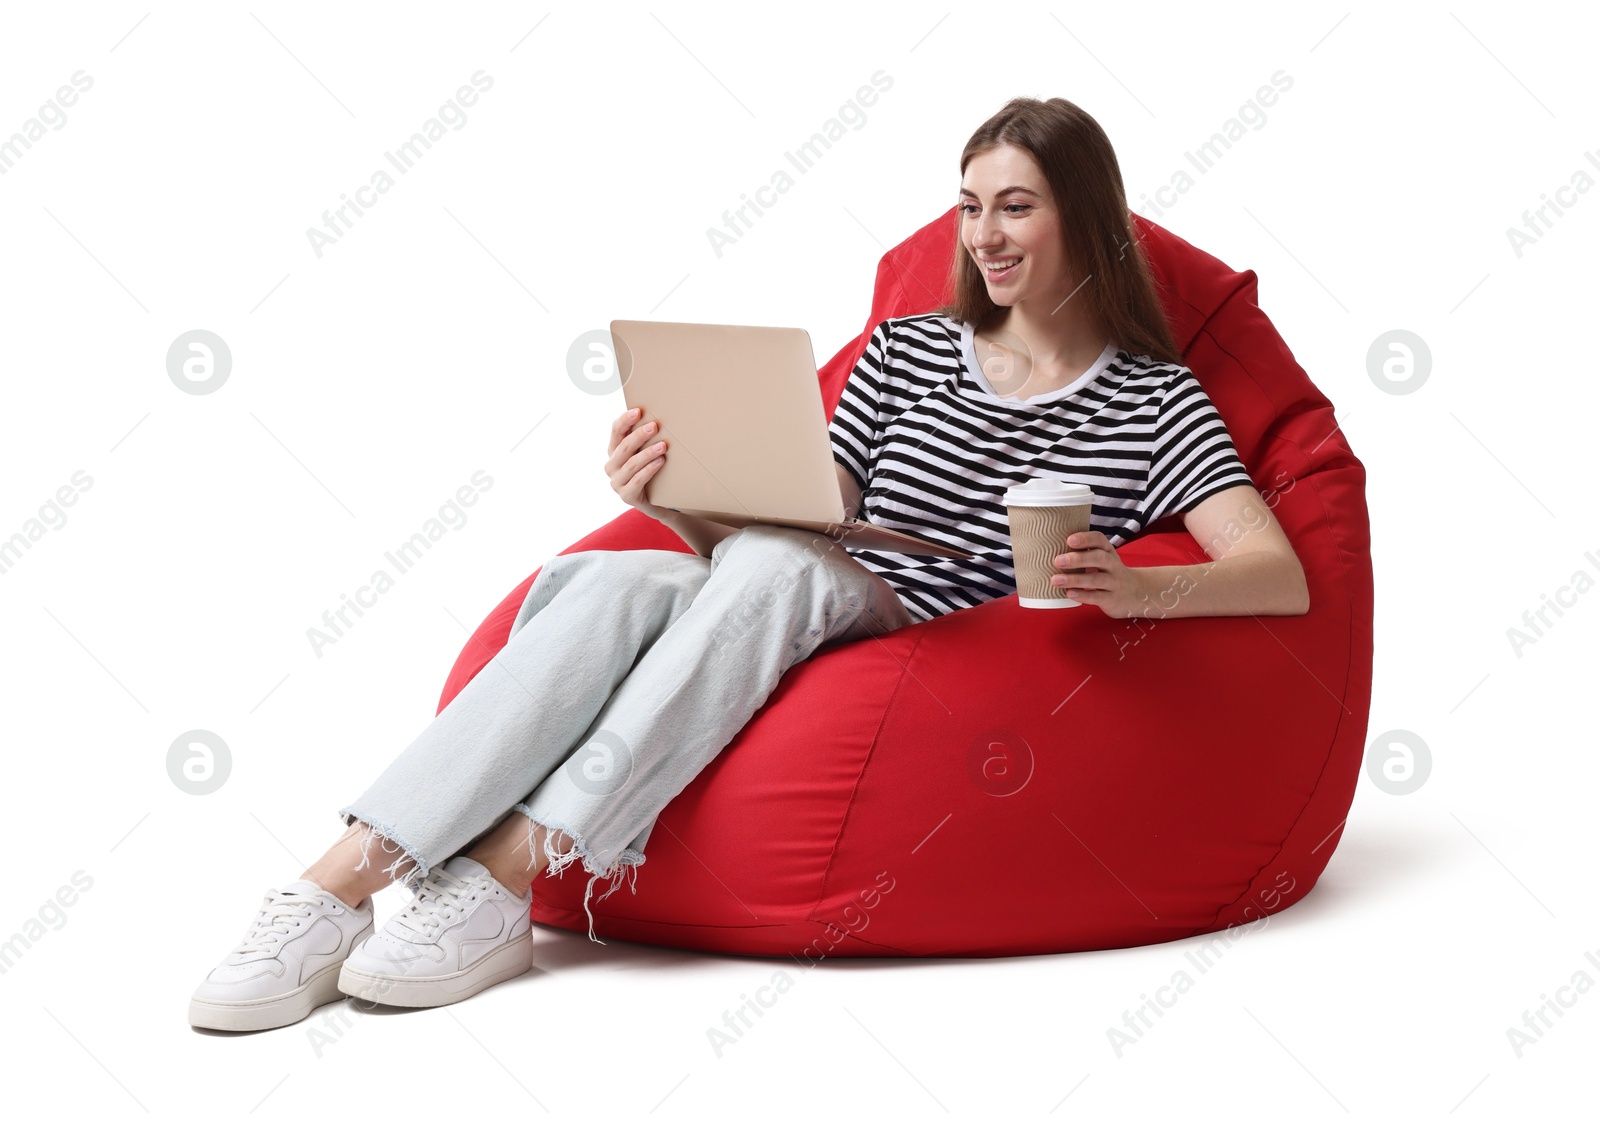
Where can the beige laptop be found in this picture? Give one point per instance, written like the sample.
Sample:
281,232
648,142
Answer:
747,434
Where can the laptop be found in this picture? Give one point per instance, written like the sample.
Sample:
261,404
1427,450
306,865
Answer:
747,435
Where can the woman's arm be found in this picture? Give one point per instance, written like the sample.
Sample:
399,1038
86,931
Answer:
630,465
703,535
849,492
1253,568
700,534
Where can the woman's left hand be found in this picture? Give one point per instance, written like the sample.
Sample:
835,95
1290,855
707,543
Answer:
1111,585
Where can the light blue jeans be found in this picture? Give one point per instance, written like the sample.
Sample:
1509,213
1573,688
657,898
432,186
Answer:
625,673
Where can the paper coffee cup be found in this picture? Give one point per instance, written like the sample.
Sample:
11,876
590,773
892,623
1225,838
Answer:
1043,512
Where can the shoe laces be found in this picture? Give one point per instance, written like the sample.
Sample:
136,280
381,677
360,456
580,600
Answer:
276,918
441,897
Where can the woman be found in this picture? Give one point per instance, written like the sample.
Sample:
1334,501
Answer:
648,663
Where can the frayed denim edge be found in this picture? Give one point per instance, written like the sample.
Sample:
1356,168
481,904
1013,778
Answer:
413,880
626,866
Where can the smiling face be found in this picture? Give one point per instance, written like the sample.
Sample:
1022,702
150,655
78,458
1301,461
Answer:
1007,214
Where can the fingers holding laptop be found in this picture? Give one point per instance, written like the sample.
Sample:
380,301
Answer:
631,463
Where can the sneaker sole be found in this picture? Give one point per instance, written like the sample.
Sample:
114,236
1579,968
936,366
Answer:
269,1013
507,962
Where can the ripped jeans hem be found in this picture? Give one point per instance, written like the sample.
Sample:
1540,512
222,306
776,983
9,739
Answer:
626,866
413,879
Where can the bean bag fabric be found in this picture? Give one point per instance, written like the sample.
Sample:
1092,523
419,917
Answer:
1001,781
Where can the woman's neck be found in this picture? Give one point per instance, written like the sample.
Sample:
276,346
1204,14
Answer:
1067,341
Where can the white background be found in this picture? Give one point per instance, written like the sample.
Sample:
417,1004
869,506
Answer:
369,384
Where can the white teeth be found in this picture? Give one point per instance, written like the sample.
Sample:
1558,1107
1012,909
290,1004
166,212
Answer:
995,268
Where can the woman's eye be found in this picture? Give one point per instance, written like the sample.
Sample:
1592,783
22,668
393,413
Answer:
964,207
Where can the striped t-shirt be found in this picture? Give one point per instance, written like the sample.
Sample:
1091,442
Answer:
934,449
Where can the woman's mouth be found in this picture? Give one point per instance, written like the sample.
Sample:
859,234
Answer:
1007,267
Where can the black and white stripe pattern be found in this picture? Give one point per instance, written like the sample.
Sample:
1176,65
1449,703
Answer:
934,450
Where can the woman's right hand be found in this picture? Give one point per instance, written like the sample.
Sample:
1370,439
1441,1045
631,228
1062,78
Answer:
631,463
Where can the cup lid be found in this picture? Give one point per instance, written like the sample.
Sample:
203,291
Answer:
1049,491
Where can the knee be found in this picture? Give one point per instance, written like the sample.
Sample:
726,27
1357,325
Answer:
629,574
629,566
771,547
789,557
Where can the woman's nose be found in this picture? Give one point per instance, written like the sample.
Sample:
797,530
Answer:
983,235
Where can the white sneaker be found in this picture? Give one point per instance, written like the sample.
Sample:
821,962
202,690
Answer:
286,965
463,932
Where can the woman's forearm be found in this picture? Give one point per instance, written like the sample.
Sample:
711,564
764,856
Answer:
1249,583
700,534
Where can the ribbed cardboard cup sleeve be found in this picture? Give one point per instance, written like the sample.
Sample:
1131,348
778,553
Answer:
1038,535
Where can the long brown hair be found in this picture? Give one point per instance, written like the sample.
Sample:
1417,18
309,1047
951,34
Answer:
1081,169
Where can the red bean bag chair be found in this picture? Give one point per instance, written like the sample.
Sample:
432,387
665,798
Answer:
1001,781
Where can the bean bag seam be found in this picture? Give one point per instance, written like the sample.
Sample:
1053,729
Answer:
1344,709
543,903
1275,434
1261,388
858,939
850,805
1245,278
1170,242
899,280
